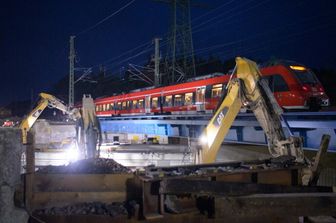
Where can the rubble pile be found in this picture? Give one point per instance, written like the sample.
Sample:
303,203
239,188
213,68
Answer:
94,165
92,208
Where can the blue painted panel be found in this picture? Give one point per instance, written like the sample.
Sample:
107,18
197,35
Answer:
245,128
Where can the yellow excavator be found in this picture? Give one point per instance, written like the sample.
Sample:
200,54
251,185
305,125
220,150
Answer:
87,125
248,90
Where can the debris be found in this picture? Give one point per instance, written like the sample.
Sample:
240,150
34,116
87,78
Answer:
283,161
92,208
94,165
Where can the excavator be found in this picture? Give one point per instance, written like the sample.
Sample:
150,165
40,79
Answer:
247,89
88,131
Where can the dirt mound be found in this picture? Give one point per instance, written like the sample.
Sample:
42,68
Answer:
95,165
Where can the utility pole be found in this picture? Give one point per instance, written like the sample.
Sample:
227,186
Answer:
72,56
157,76
31,99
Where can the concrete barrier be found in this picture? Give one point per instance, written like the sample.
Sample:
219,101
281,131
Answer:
52,134
10,165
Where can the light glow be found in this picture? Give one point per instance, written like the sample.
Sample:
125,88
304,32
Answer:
304,88
72,153
204,139
300,68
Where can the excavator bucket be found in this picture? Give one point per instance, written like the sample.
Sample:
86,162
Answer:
91,127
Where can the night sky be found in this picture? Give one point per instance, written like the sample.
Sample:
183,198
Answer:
34,39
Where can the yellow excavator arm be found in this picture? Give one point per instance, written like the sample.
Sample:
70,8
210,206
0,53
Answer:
248,90
87,124
47,100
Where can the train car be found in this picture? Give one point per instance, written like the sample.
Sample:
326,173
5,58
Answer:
294,86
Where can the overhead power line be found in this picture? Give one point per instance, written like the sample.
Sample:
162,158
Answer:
129,58
105,19
162,44
212,11
108,61
200,28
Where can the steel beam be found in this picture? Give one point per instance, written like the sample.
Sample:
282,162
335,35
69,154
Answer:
288,204
245,128
217,188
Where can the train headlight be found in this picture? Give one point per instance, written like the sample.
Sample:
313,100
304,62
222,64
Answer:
299,68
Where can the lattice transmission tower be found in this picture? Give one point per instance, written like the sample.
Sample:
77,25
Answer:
179,61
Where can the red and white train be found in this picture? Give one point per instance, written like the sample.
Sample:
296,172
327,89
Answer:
294,86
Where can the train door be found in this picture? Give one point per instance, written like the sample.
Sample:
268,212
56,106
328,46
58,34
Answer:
280,88
200,99
147,104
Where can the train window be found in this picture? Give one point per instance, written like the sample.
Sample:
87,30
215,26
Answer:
129,105
97,108
111,106
155,102
135,104
100,107
123,105
224,91
305,76
178,100
107,107
216,91
279,83
208,89
168,101
119,106
141,103
200,95
188,99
